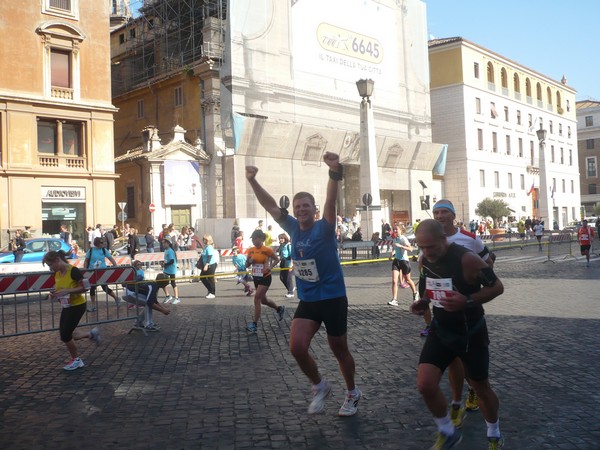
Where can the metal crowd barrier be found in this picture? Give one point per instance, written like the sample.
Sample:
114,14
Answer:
25,307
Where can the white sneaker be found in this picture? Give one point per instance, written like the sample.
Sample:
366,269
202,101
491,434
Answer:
75,363
167,299
416,297
319,395
176,301
288,295
211,296
350,405
393,302
95,335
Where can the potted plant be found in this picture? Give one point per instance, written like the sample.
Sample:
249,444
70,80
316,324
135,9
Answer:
496,209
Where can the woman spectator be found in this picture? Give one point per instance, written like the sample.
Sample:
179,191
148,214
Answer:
183,239
285,264
208,264
68,290
133,245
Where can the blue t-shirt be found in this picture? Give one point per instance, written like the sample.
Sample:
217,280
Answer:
239,261
97,257
172,268
400,253
316,247
139,275
208,255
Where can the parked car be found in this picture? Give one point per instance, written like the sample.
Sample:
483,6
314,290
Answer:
572,227
35,249
119,247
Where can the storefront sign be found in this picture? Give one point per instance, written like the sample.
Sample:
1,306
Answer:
63,194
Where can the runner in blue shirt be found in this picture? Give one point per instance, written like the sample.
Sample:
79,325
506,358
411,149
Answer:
320,284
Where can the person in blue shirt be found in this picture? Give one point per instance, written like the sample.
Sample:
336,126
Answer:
320,283
242,275
209,265
95,258
285,264
169,265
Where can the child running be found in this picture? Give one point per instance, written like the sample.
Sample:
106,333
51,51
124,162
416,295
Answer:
239,262
262,259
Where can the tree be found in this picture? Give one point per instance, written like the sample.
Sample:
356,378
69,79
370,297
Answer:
494,208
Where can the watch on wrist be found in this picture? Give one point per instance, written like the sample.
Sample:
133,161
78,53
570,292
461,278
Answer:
470,302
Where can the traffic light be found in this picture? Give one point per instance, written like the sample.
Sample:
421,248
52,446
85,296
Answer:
424,202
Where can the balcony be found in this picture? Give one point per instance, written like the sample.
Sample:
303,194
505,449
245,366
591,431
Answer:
62,93
62,162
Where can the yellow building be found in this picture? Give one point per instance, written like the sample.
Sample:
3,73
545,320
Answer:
56,117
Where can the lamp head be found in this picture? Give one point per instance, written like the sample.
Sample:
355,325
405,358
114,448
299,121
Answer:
365,87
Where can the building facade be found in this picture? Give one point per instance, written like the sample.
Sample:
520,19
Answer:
588,134
56,117
488,108
280,107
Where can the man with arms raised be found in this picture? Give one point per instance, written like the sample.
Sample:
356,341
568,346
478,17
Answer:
320,283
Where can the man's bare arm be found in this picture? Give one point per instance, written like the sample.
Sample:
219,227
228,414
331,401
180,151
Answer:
329,211
263,197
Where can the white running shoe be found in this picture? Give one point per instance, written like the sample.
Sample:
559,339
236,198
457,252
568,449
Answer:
211,296
95,335
176,301
350,405
319,395
393,302
167,299
75,363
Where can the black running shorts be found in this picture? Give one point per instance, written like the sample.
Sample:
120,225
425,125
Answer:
332,312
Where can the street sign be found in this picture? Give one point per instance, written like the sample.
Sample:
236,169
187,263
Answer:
368,208
367,199
122,216
151,207
122,205
284,202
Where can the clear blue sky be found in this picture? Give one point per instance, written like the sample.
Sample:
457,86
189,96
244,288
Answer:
551,37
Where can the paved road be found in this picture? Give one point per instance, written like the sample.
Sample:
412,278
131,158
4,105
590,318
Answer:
203,383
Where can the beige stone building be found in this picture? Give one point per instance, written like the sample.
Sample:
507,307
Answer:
56,116
588,134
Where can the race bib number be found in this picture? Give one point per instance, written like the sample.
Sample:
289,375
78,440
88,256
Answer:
64,300
584,237
258,270
437,289
306,270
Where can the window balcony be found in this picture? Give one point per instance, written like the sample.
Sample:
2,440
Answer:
62,161
62,93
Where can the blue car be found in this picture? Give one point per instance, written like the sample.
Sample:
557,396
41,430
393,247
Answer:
35,249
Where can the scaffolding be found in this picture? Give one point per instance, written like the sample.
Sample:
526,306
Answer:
162,37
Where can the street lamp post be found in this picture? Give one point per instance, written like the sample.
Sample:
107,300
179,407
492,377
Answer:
368,172
544,192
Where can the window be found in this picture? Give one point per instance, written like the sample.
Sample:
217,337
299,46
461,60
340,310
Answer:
591,169
493,110
510,185
560,129
63,8
570,157
482,178
527,87
592,188
130,194
518,117
530,120
569,132
516,84
490,73
476,70
532,152
552,153
49,131
589,121
495,142
504,78
132,32
122,38
178,100
479,139
538,92
550,125
522,177
60,68
477,105
572,187
589,144
496,179
562,155
564,185
520,147
140,109
568,105
506,113
508,150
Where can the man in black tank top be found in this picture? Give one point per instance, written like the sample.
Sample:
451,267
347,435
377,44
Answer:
457,282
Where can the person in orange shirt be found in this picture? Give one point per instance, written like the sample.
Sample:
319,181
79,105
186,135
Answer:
262,259
584,236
